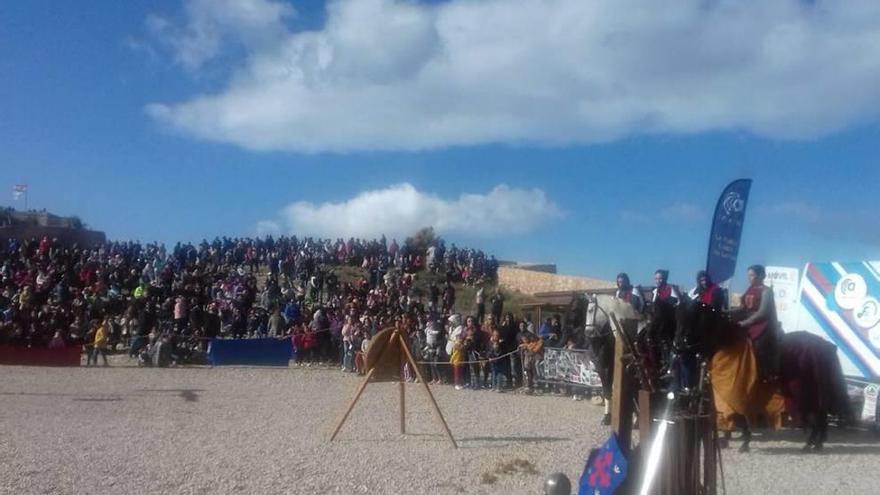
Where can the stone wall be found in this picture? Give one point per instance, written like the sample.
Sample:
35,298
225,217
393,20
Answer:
536,267
85,238
532,282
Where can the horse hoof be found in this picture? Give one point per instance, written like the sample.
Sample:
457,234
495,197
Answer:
744,448
818,447
606,420
807,447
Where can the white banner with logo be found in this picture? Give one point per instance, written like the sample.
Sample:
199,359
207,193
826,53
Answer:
784,281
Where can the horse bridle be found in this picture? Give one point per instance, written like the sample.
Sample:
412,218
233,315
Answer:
593,329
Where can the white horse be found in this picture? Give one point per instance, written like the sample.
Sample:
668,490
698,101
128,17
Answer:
597,329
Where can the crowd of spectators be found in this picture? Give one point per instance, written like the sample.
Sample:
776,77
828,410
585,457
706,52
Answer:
163,306
131,295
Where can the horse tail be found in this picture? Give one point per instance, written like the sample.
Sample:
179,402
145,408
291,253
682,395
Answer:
839,399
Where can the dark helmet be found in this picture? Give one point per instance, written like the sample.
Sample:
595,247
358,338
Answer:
557,484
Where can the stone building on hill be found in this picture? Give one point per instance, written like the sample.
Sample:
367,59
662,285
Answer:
24,225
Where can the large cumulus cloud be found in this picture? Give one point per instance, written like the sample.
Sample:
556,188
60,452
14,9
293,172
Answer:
400,75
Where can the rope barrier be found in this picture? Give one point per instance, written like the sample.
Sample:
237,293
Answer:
287,337
479,361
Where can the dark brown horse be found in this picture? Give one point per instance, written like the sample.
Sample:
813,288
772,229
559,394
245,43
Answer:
811,380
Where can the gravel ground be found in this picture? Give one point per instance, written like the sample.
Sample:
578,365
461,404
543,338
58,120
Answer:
250,430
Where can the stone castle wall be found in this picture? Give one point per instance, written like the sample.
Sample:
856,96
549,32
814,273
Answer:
533,282
84,238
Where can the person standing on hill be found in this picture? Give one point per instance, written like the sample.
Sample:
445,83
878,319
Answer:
448,298
433,296
480,301
497,304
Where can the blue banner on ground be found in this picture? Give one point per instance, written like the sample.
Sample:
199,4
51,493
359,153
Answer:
727,225
253,352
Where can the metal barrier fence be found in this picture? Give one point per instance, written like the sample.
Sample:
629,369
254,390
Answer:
568,367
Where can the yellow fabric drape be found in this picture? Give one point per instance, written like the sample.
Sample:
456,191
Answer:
734,375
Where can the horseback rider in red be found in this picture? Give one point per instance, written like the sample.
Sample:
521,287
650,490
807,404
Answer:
761,324
708,292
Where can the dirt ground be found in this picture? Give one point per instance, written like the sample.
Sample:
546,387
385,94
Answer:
127,430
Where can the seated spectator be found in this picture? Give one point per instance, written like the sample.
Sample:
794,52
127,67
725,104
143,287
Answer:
57,341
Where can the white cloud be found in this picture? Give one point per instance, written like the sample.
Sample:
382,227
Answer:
268,227
256,24
675,212
839,223
399,75
682,212
634,216
796,210
400,210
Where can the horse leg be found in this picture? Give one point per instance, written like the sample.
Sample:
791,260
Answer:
606,418
811,438
821,430
747,438
817,424
812,430
724,441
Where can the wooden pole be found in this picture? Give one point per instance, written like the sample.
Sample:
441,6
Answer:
412,362
645,418
397,339
402,387
353,402
622,394
362,387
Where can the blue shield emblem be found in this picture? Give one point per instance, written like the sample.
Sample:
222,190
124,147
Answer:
605,470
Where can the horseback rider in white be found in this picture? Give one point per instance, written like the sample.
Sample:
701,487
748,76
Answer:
628,293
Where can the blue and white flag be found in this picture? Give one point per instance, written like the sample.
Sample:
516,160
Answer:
727,225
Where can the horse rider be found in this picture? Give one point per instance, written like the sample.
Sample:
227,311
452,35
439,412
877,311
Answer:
708,292
658,338
628,293
664,291
761,324
688,345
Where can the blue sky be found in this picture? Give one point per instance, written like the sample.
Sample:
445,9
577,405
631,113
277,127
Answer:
161,123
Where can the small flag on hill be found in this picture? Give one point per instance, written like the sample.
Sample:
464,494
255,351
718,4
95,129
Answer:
605,470
18,191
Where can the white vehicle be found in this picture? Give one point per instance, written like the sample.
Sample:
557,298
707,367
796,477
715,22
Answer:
841,303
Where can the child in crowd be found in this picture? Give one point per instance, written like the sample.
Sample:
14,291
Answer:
456,349
348,350
99,344
533,349
361,358
494,354
433,334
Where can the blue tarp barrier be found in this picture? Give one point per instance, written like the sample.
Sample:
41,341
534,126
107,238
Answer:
253,352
